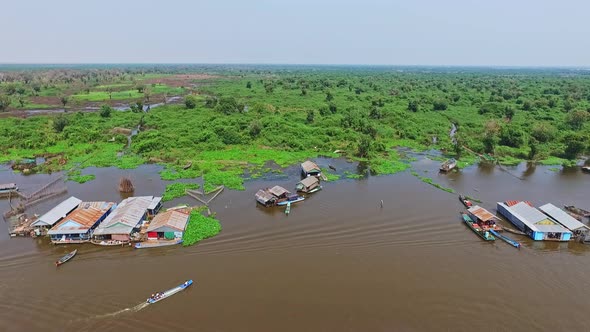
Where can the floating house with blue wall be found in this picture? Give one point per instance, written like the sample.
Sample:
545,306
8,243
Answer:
533,222
77,226
56,214
579,229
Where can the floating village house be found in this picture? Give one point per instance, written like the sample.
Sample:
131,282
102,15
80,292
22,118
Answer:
126,219
308,184
168,225
77,226
56,214
265,198
270,197
566,220
533,222
309,168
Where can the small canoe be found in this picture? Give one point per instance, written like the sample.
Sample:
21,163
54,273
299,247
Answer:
314,190
476,229
288,209
295,200
162,295
448,165
506,239
66,258
465,201
148,244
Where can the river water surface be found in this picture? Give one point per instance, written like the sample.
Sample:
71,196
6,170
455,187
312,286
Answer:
338,262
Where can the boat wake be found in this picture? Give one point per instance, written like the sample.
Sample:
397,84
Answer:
116,313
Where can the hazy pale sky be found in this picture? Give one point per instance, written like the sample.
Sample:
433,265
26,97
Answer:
420,32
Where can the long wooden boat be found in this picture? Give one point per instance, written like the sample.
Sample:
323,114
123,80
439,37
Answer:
110,243
465,201
506,239
162,295
148,244
586,169
316,189
577,211
288,209
291,200
476,229
66,258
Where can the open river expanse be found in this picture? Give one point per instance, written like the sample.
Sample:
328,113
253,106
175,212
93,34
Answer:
338,262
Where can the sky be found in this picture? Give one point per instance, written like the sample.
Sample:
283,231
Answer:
375,32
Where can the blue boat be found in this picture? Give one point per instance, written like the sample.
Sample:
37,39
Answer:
506,239
162,295
291,199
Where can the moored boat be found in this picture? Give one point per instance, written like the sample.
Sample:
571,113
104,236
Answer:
291,199
448,165
66,258
586,169
162,295
484,218
288,209
476,228
506,239
155,244
465,201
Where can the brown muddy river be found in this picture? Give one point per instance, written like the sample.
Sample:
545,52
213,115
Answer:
338,262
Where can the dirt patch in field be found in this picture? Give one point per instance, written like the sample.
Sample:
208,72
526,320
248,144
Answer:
52,101
181,80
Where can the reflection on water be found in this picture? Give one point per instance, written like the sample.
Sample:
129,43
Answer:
338,262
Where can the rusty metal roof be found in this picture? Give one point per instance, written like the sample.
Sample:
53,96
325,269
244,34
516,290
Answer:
309,166
481,213
278,191
176,219
82,218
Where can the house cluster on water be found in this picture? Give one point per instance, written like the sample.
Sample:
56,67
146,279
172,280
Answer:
278,195
103,223
548,223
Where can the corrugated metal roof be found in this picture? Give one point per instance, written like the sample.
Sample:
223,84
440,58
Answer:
176,219
264,196
309,166
278,191
309,181
562,217
58,212
481,213
533,217
82,218
126,216
155,202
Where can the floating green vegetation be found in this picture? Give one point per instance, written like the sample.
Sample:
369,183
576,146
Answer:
431,182
388,166
509,161
77,176
199,228
330,176
175,190
553,161
350,175
472,199
554,169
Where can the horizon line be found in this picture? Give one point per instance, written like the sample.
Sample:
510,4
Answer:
299,64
